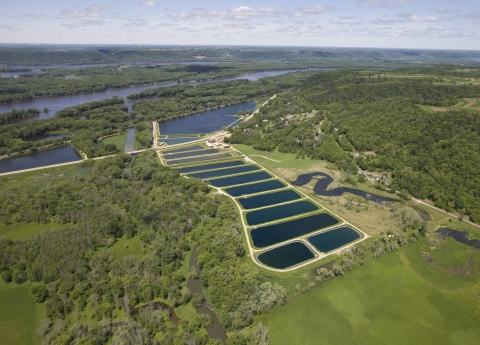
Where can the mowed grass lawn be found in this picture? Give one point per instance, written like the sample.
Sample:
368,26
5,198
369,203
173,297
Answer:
117,140
19,315
396,299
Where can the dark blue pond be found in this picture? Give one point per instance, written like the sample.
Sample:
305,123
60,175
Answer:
57,155
183,149
175,141
279,212
230,181
276,233
286,256
268,199
333,239
323,181
210,166
199,159
170,156
255,188
224,172
205,122
459,236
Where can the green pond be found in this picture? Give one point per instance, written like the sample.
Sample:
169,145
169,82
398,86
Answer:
199,159
190,154
183,149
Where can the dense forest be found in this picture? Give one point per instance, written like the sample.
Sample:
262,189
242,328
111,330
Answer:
82,286
430,154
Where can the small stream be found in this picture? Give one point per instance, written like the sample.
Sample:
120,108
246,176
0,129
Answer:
130,140
215,330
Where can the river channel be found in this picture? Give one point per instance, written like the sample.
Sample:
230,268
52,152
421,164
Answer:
57,103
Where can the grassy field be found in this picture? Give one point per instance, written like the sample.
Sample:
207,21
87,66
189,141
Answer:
23,231
125,247
19,315
117,140
396,299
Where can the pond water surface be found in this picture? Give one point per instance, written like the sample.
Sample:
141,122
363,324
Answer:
268,199
62,154
199,159
271,234
170,156
255,188
333,239
286,256
129,142
279,212
210,166
459,236
224,172
183,149
234,180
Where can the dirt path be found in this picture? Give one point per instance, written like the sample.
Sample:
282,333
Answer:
155,134
471,101
266,158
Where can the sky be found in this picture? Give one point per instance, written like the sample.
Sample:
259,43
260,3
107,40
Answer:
429,24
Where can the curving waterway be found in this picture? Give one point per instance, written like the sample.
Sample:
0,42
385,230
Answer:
56,103
324,180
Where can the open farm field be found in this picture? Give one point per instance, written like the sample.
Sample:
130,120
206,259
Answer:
396,299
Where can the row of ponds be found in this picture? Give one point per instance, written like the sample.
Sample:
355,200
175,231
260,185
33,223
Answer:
278,218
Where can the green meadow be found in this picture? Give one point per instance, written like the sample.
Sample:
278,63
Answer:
397,299
117,140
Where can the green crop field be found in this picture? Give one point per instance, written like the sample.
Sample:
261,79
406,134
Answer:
396,299
19,315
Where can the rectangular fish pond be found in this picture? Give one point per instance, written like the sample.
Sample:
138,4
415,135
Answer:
255,188
210,167
276,233
234,180
279,212
183,149
224,172
286,256
175,141
333,239
198,159
268,199
169,156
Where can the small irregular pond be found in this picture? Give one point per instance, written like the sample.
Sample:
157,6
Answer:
38,159
459,236
215,330
271,234
324,181
286,256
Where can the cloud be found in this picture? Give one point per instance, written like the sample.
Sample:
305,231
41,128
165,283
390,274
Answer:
31,15
474,16
425,18
315,9
345,21
9,28
84,23
147,3
441,10
384,3
91,11
237,13
168,24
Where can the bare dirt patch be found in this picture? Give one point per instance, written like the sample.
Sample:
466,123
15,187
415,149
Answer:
471,101
441,109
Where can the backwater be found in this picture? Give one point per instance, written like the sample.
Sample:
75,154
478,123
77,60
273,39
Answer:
234,180
459,236
209,167
215,330
62,154
271,234
286,256
279,212
129,143
333,239
255,188
324,181
268,199
224,172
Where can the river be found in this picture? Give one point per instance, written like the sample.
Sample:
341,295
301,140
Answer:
56,103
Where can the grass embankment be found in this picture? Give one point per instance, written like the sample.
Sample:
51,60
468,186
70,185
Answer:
396,299
117,140
19,315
